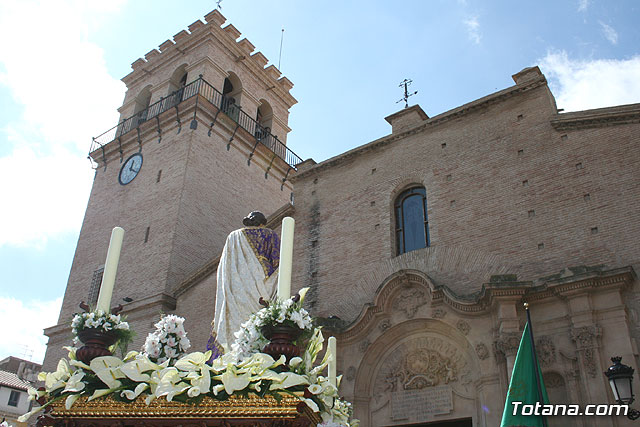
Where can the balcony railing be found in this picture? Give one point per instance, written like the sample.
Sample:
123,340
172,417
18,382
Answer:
225,104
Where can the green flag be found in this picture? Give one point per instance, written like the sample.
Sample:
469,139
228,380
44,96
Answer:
524,388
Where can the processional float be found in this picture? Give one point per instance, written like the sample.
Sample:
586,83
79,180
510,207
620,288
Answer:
270,380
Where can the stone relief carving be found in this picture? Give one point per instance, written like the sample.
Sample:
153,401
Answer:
463,326
553,380
364,345
384,325
506,345
482,351
546,350
418,364
439,313
585,338
409,300
351,373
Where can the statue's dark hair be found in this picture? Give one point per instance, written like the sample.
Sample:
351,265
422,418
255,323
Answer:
255,219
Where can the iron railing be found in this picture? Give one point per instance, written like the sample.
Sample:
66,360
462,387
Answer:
225,104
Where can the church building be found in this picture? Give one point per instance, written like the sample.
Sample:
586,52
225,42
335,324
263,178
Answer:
420,247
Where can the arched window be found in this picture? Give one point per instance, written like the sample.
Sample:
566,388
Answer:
141,105
412,223
264,117
231,91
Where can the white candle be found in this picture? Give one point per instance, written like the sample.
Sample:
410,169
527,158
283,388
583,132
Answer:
333,362
286,258
110,270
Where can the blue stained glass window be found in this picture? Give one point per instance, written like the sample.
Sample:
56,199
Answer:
412,224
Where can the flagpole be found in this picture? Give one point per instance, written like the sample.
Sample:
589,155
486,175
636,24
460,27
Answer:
535,361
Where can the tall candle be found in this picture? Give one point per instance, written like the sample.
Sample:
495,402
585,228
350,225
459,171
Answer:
286,258
110,270
333,362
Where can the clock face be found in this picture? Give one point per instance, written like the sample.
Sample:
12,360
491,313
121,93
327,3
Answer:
130,169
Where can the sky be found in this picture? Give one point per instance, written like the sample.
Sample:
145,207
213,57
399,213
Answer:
61,62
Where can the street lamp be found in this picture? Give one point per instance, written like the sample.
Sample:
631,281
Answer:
620,379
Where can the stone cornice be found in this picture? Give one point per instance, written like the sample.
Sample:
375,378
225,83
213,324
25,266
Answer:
211,266
482,302
427,125
601,117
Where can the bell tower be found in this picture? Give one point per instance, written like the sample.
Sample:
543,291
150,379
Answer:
201,142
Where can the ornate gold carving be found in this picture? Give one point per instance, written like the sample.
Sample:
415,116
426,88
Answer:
235,407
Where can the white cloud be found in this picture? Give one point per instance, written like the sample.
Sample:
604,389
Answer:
585,84
59,83
473,29
27,320
583,5
609,33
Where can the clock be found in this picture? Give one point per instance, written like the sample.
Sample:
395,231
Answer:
130,169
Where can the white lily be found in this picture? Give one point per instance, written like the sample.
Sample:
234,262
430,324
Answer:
233,382
170,384
134,369
57,379
25,417
132,395
107,368
193,361
101,392
35,394
130,356
295,362
290,379
200,384
303,292
315,389
75,384
71,399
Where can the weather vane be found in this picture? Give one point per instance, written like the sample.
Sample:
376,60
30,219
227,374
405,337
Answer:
218,4
406,83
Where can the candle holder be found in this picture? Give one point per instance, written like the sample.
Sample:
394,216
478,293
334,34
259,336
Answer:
97,340
282,338
96,343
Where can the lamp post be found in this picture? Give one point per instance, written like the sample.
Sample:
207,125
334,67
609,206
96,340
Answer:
620,379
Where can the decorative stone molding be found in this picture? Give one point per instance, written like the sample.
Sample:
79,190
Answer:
507,344
364,345
384,325
585,338
482,351
410,300
439,313
463,327
421,363
553,380
546,351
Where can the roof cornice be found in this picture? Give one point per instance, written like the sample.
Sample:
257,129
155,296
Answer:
445,117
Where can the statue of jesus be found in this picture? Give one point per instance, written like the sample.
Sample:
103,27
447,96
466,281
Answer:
248,270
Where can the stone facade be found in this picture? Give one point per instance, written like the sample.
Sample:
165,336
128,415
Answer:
524,204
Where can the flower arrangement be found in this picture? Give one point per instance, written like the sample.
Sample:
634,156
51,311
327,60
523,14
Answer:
103,322
163,370
168,342
250,338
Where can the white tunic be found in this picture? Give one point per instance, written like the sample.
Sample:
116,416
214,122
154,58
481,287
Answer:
241,282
